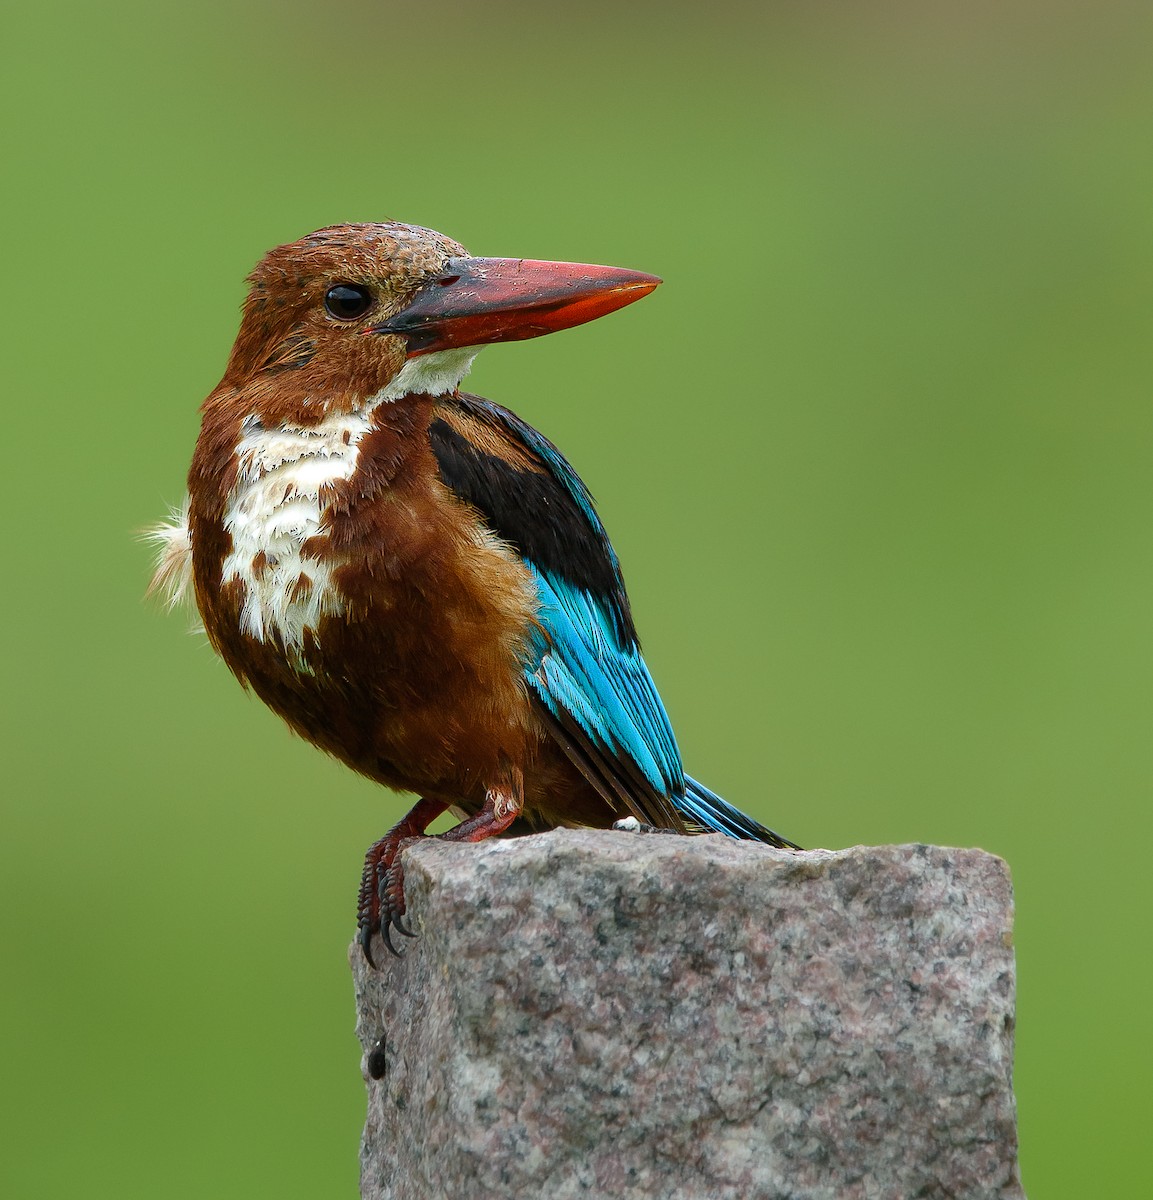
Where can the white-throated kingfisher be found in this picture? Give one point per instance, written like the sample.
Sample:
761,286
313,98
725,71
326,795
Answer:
411,576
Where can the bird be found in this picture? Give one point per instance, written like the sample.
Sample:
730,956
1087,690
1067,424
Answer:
414,578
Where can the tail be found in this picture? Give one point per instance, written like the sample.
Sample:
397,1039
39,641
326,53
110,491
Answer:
706,809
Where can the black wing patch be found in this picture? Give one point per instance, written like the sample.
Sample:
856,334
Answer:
531,497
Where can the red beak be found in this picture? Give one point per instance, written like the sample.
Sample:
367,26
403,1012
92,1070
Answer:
474,301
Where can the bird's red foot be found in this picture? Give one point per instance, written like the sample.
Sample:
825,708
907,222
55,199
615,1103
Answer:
381,906
380,903
390,897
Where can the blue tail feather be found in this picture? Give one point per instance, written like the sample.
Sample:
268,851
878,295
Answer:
708,810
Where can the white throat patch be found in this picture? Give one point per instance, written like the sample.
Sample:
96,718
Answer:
431,374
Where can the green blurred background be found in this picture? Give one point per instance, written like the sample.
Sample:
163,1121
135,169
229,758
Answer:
876,459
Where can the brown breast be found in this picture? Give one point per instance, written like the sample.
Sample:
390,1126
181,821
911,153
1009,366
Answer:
362,600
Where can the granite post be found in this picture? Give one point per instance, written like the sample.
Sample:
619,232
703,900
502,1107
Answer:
628,1015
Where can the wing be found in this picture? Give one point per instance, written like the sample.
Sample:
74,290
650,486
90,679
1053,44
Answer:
589,680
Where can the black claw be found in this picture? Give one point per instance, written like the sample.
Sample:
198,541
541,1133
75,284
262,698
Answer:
364,937
386,934
403,926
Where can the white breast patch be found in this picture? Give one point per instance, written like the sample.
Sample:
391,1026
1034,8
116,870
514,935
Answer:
279,502
276,505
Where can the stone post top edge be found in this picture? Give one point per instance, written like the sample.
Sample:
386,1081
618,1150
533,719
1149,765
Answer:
623,846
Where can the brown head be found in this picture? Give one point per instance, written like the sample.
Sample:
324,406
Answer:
332,319
308,302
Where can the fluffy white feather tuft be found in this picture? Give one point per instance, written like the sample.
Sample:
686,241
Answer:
172,578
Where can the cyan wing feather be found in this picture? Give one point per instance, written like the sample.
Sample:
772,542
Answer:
584,673
587,672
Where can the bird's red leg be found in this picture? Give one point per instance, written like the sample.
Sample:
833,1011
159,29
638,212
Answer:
377,863
502,805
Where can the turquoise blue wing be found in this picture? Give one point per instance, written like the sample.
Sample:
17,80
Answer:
591,684
602,700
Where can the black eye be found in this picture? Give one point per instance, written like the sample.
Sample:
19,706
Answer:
347,301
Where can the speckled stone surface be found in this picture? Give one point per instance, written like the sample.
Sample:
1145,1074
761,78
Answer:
609,1014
